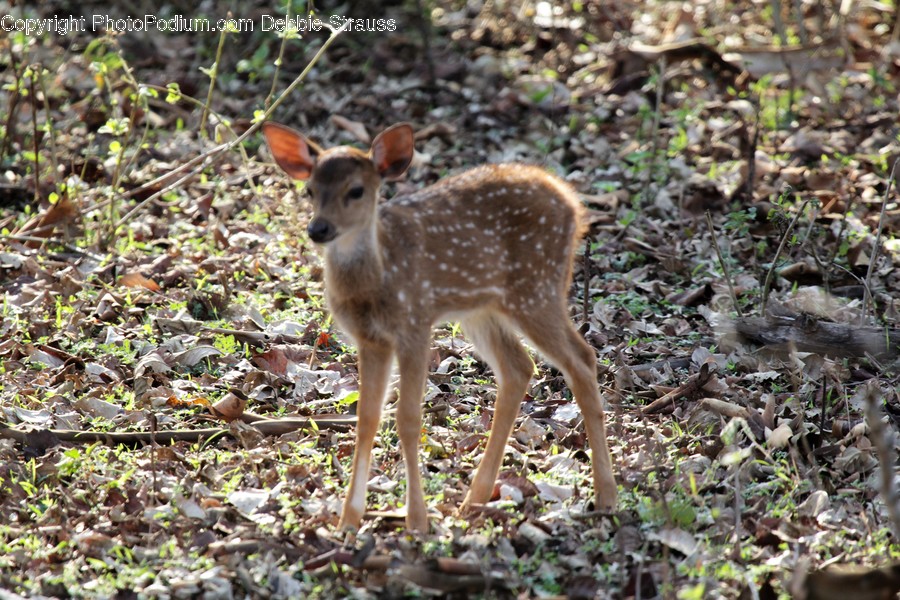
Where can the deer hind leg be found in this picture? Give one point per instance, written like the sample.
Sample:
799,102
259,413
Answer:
413,363
553,335
498,344
374,369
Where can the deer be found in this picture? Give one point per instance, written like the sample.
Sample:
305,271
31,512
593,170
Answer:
491,248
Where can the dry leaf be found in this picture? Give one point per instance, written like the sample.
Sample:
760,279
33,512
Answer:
229,407
136,280
780,437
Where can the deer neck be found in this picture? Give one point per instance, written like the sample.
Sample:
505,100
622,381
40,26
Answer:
353,263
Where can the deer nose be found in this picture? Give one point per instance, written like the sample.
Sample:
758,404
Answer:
321,230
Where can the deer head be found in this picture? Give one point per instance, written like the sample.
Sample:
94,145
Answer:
343,182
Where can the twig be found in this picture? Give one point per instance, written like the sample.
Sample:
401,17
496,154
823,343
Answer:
114,438
37,157
797,7
660,86
154,445
586,272
751,152
771,274
736,550
424,24
241,547
867,294
775,5
883,441
712,233
207,159
51,240
51,133
688,388
673,362
14,96
169,175
209,156
213,75
278,61
838,243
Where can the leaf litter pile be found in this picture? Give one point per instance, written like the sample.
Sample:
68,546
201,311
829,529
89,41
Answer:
177,407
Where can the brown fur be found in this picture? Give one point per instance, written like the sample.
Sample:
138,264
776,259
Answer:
492,247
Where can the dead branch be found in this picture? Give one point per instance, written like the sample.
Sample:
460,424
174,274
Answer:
735,411
849,582
876,246
784,238
723,264
806,333
689,388
446,575
883,441
269,427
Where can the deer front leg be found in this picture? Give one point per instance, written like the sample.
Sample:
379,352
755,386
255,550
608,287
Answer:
374,369
413,365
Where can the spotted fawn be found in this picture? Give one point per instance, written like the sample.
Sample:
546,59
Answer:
491,248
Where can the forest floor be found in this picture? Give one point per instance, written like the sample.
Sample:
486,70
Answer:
156,274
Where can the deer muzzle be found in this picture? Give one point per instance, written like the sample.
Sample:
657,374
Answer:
321,230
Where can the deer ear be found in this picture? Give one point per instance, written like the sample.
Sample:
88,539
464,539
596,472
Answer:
392,151
295,154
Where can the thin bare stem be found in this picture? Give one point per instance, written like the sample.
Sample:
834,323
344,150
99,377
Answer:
14,96
883,441
208,157
867,294
424,24
280,59
51,240
723,264
775,5
586,269
51,131
771,274
37,157
751,152
212,80
660,86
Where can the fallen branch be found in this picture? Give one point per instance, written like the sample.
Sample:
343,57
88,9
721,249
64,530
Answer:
689,388
637,57
735,411
806,333
839,583
247,547
133,438
446,575
673,362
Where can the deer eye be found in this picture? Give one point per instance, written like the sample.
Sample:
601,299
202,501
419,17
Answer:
355,192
